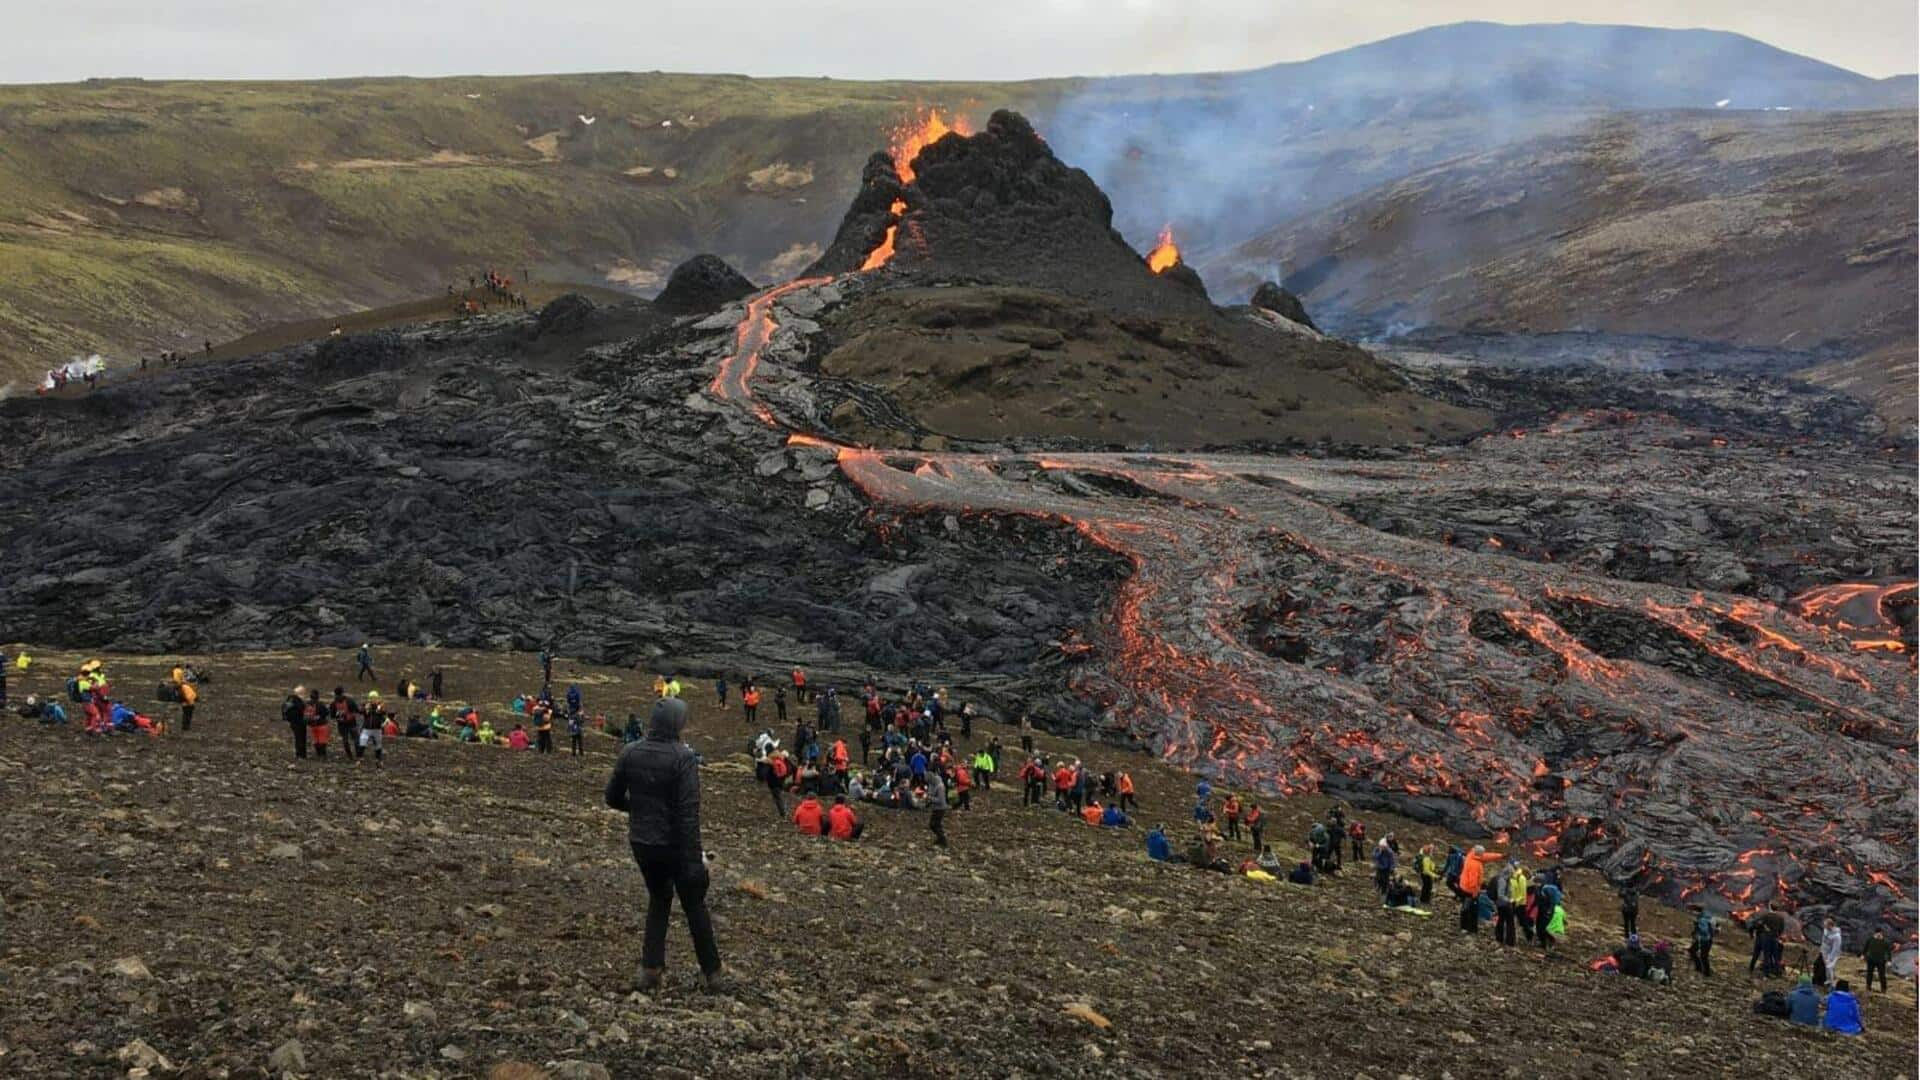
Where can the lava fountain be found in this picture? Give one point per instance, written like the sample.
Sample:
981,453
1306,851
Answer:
1165,254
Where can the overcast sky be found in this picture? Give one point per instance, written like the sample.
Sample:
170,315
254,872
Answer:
59,40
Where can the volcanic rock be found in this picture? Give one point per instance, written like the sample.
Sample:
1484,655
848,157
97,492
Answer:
1272,297
564,314
999,206
702,284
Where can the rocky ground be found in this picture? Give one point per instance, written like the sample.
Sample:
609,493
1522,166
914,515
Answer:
196,906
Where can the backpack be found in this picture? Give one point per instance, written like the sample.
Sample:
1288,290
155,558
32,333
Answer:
1772,1003
166,692
73,691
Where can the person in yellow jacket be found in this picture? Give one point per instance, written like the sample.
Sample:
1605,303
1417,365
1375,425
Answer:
659,686
189,697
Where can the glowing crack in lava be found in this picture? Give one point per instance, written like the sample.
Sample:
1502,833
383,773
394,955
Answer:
1266,638
1165,253
878,257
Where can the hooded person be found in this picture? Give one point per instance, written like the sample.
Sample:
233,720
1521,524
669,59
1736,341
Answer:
1843,1011
809,816
1803,1003
842,823
656,783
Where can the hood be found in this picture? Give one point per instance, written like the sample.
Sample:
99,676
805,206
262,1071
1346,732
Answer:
669,719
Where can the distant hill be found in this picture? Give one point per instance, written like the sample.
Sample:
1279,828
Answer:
139,216
1765,229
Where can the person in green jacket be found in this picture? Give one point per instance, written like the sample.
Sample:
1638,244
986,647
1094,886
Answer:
1878,952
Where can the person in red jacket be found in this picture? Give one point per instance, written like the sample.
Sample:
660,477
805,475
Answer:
963,786
807,817
1231,811
1256,824
800,685
841,822
1033,781
1062,786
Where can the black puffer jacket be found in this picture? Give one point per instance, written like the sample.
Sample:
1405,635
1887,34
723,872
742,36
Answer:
657,782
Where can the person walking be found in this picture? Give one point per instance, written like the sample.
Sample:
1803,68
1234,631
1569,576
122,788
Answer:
365,662
576,728
1629,910
656,783
1831,946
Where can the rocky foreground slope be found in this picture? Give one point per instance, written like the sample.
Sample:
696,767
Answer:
197,908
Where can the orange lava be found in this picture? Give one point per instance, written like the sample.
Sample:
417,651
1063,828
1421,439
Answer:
1165,253
878,257
924,128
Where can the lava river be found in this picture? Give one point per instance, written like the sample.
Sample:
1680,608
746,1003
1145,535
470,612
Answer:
1704,744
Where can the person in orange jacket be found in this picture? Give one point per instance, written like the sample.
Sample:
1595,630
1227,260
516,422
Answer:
840,759
318,729
1062,786
1256,824
962,787
1472,873
1091,813
750,701
1123,785
800,685
1231,811
841,822
807,816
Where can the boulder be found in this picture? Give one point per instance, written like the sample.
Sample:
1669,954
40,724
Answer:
703,284
1271,297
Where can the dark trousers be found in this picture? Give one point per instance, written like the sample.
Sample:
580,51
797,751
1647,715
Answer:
1382,877
753,713
1026,744
1359,851
1504,925
544,740
365,672
347,740
1128,802
667,874
186,716
1034,794
1630,922
1880,967
1701,953
1254,832
299,739
577,751
1540,923
1426,890
1470,915
779,804
937,823
1233,827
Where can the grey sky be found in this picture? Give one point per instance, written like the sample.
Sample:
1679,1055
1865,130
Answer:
58,40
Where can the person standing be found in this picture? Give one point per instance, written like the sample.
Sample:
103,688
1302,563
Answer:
293,713
365,665
189,697
1629,910
543,727
749,703
937,807
437,685
1423,865
656,783
1877,953
1700,951
546,667
576,727
720,690
1256,821
1831,946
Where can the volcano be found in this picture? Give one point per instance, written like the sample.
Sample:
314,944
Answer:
999,206
991,298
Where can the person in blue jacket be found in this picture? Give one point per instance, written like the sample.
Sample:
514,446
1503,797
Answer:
1843,1011
1112,818
573,699
1803,1003
1159,849
1456,861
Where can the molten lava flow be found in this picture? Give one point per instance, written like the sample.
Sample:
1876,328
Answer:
749,340
878,257
924,128
1165,253
1658,734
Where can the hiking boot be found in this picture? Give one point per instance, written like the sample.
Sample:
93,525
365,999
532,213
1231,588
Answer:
716,982
649,979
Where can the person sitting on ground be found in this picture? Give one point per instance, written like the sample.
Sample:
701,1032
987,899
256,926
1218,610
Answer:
1270,862
517,738
1843,1011
1803,1003
486,736
1399,894
418,728
1632,961
1159,848
1091,812
1112,818
1302,873
807,816
841,822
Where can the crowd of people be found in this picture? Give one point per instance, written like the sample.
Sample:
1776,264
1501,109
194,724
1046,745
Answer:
89,698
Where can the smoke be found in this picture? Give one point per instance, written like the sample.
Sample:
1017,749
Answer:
80,367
